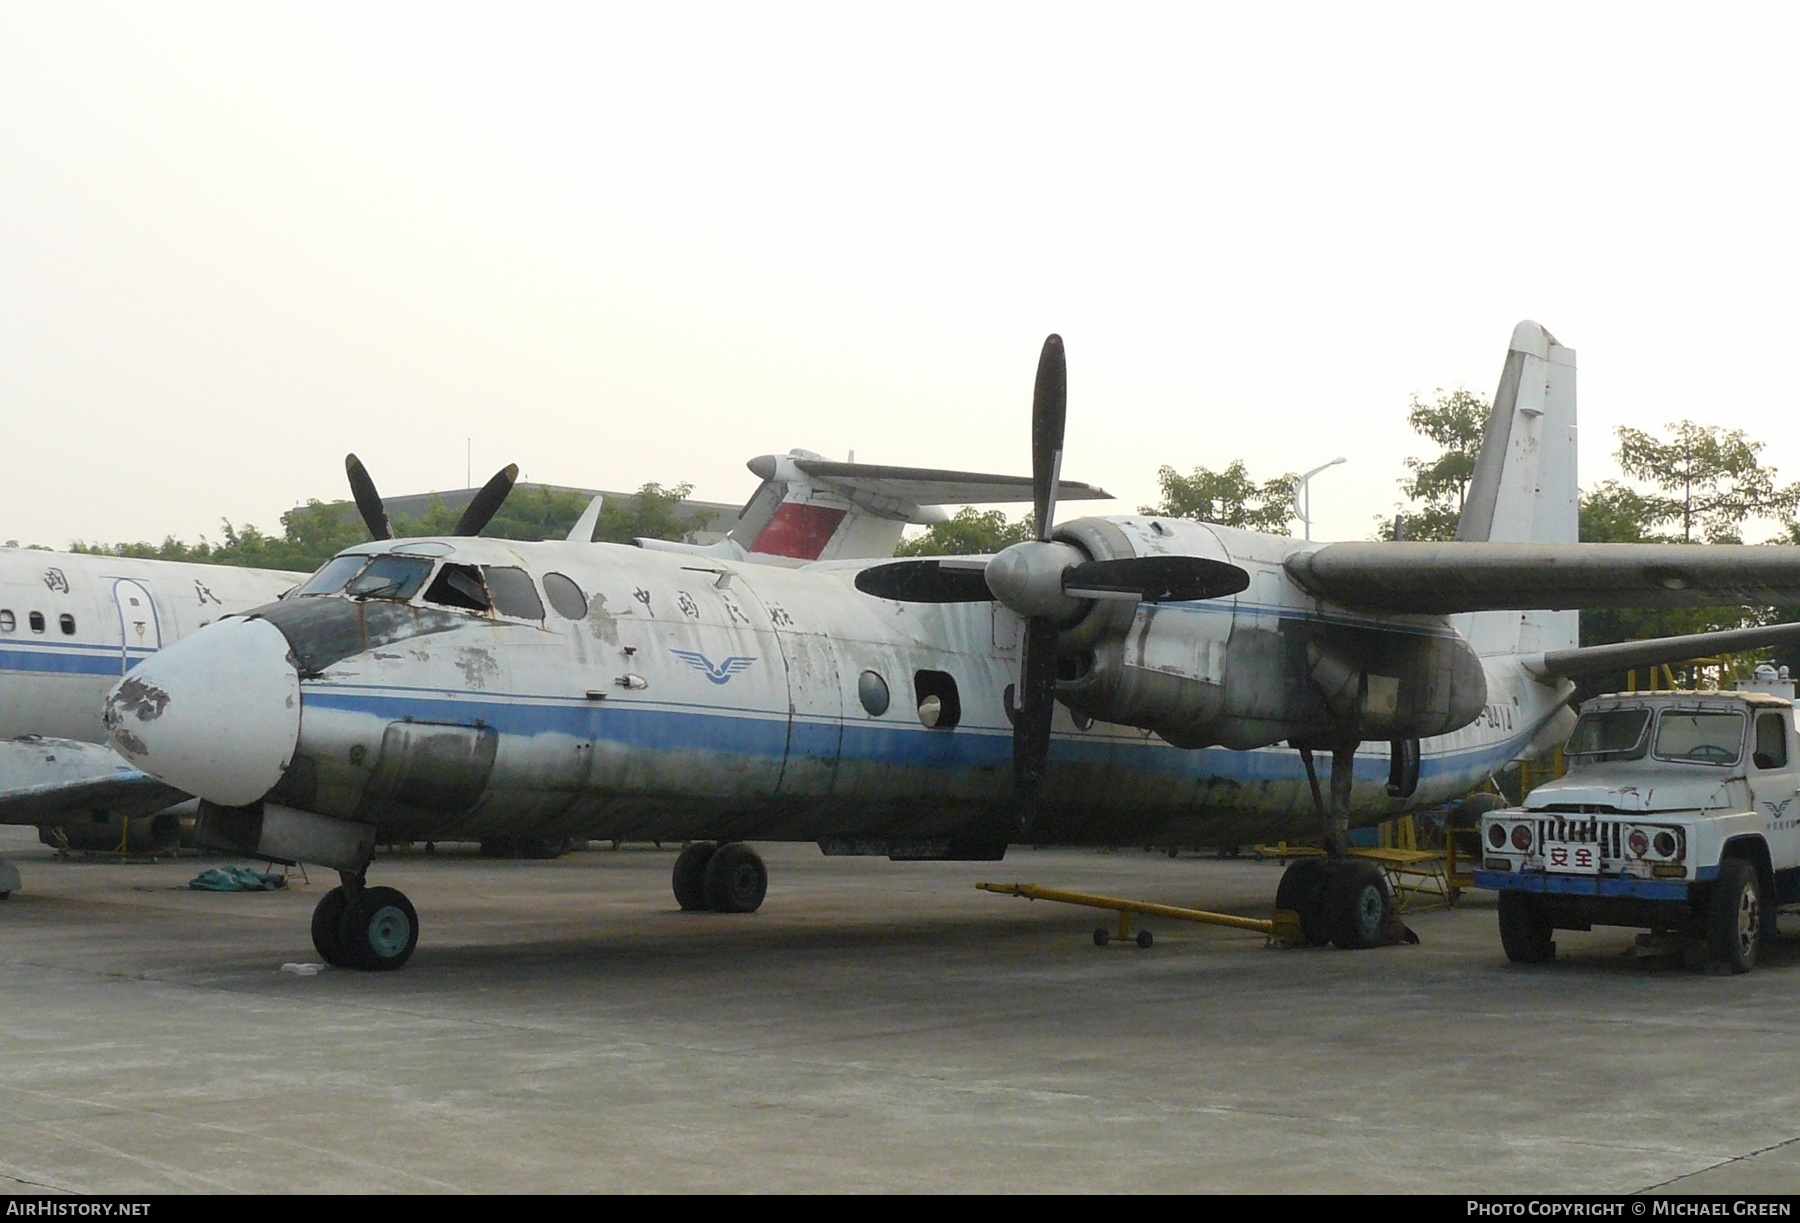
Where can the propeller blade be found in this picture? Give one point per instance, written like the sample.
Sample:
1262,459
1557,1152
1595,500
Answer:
927,581
368,501
1155,579
487,502
1049,413
1031,720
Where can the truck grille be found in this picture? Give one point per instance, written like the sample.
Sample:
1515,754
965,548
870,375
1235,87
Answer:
1581,830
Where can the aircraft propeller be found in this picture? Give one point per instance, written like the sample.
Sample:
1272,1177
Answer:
480,511
1047,582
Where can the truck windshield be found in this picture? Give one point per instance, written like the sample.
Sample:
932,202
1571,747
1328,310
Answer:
1608,734
1699,738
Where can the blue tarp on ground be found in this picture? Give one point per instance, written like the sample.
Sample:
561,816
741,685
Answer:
235,879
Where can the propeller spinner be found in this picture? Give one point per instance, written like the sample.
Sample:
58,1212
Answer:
1047,582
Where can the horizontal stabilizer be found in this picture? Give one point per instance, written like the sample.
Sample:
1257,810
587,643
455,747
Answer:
1655,651
1445,578
55,781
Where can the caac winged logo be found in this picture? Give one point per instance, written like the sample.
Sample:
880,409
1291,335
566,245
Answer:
720,674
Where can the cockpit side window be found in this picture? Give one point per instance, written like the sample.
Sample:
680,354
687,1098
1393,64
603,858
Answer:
331,578
390,577
513,593
459,586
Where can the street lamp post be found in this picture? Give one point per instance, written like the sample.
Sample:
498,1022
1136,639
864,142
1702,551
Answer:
1303,491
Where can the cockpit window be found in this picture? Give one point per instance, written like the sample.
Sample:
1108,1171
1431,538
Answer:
513,593
389,577
1608,734
329,580
1703,738
459,586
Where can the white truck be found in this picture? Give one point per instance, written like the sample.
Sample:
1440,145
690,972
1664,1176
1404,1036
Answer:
1679,814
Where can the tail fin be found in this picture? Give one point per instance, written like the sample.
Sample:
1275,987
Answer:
1524,487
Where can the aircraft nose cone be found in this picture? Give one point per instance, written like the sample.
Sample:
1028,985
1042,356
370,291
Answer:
216,714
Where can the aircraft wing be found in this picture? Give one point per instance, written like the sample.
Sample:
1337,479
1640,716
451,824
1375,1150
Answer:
53,781
1443,578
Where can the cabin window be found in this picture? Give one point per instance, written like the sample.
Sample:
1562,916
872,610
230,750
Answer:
37,622
872,691
565,596
1771,741
390,577
513,593
66,623
8,622
939,706
459,586
331,578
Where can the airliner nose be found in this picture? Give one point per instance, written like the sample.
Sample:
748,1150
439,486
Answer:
217,714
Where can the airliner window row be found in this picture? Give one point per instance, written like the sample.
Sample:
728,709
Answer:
10,623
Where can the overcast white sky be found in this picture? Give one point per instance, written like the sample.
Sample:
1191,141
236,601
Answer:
646,242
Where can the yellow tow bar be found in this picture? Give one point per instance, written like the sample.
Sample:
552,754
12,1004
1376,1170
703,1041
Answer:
1284,927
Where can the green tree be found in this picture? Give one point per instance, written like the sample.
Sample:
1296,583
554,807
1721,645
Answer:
971,532
1455,421
315,532
1709,481
1229,497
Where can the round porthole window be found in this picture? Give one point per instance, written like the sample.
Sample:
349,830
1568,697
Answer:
872,690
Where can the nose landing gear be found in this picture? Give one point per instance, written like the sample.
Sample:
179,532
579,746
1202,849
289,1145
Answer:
373,929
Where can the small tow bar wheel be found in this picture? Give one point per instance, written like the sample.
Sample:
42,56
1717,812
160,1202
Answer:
1102,936
1144,939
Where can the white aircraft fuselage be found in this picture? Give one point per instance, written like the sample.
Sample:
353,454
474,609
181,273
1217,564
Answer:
646,694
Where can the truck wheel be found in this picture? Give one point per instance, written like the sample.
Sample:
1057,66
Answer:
1734,916
1524,933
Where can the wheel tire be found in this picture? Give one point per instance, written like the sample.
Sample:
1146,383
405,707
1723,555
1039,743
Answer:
380,930
736,879
327,923
1734,916
1145,939
1527,937
689,876
1102,936
1301,887
1358,905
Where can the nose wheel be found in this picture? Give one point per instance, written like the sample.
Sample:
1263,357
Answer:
374,929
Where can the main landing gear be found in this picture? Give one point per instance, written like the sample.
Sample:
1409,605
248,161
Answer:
374,929
729,878
1339,900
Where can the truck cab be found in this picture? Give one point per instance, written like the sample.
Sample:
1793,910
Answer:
1678,814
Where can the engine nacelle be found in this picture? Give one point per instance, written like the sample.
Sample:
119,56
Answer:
1264,666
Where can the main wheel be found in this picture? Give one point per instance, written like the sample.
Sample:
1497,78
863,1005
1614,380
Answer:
1734,916
736,879
379,930
327,920
1525,934
1358,905
690,874
1301,886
